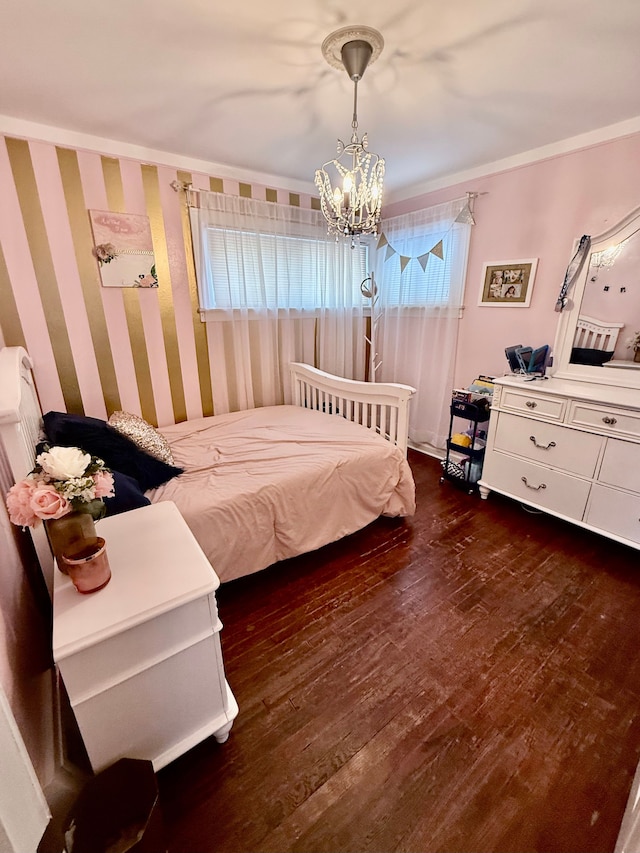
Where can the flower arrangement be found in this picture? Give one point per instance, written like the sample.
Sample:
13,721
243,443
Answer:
65,479
105,253
634,342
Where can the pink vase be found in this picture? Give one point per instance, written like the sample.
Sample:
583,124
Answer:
88,566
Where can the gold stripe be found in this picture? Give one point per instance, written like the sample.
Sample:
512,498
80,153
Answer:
131,300
165,295
245,190
36,231
315,204
272,195
113,184
216,185
133,311
199,328
89,274
294,199
10,324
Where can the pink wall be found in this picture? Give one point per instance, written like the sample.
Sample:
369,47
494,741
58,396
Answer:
534,211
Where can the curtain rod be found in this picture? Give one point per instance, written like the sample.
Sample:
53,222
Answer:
188,188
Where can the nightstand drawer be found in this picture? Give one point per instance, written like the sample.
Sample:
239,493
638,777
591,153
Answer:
158,707
552,490
98,667
614,512
542,405
549,444
605,419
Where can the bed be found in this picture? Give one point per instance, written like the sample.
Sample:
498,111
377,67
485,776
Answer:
594,341
261,485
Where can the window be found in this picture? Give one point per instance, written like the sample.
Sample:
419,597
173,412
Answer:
415,287
433,244
262,270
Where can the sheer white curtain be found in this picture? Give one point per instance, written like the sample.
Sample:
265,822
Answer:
420,310
273,289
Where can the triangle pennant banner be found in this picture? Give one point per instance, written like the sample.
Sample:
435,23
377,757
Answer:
422,260
404,260
390,251
438,250
382,241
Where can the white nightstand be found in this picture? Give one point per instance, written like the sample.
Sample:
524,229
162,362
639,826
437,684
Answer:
141,658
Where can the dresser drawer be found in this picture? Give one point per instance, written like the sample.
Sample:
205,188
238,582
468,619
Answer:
605,419
546,488
614,512
621,465
94,669
549,444
542,405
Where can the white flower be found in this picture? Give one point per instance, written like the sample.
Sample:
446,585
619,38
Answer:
78,488
64,463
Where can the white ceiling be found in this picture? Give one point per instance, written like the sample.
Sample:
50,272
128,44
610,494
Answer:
460,83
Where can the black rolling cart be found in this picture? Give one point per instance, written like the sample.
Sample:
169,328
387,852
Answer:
467,471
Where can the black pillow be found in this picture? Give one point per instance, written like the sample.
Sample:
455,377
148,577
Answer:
116,450
128,495
593,357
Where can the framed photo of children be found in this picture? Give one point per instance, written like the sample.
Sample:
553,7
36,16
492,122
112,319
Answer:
508,283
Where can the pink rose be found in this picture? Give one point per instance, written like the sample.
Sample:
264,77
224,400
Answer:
46,502
19,504
104,484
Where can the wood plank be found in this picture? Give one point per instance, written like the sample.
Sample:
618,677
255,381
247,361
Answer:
464,680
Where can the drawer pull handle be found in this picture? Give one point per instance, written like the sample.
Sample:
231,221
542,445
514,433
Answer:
542,446
530,404
609,421
535,488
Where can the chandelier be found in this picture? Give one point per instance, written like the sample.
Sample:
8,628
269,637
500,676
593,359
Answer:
350,186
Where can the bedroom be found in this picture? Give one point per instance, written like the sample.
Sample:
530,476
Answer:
50,176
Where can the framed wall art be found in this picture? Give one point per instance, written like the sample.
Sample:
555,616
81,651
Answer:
124,249
508,283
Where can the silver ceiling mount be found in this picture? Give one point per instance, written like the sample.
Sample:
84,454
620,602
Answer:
356,55
353,48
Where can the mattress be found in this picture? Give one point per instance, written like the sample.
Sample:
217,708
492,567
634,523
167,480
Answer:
266,484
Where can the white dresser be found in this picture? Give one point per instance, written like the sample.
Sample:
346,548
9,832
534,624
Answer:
569,448
141,659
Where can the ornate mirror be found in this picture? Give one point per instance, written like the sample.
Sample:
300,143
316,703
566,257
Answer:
601,321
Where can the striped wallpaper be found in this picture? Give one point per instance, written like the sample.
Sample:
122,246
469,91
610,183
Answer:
100,349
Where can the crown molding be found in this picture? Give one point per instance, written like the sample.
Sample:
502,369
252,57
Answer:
554,149
10,126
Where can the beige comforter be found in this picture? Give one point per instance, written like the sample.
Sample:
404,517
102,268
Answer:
266,484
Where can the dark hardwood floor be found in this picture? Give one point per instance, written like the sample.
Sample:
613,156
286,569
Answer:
466,680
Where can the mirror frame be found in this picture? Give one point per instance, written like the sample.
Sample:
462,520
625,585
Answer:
562,368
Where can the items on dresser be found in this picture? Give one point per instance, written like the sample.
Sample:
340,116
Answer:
525,359
569,448
141,659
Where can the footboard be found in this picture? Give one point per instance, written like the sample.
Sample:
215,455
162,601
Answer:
380,406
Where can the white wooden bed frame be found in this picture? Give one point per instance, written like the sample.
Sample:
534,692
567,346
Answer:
382,407
594,334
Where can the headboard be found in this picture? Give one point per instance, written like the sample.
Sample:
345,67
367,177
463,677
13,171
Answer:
594,334
20,429
380,406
